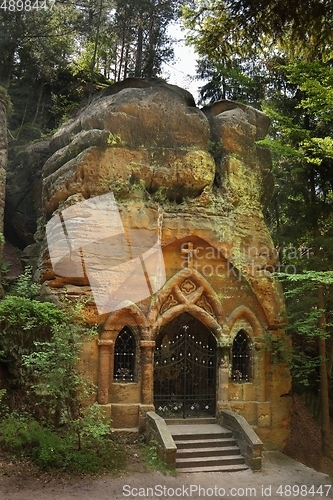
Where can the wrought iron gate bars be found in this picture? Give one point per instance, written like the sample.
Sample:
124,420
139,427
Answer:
185,376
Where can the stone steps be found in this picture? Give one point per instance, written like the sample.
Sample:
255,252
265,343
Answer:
205,443
215,468
206,447
208,452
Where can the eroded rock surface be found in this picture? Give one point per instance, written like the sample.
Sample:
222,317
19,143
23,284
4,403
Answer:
194,177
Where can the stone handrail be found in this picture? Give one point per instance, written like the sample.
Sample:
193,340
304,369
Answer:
247,440
158,431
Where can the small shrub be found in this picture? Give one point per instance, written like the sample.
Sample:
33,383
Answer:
24,285
149,453
53,451
39,354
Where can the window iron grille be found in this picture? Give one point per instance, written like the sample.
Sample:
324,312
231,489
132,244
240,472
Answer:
124,356
241,358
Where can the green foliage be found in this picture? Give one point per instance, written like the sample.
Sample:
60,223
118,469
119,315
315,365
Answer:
220,29
150,454
304,324
5,267
50,420
24,285
22,322
22,436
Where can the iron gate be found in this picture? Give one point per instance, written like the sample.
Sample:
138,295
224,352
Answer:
185,375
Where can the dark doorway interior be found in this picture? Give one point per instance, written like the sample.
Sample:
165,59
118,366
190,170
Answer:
185,369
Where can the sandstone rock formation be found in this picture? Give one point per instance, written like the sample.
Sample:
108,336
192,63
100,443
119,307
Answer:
151,146
194,177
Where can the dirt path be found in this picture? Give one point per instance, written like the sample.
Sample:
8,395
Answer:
278,473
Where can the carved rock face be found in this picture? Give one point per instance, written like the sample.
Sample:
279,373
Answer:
148,144
154,138
149,136
196,182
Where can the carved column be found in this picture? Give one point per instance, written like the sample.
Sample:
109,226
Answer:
106,363
223,375
147,371
259,374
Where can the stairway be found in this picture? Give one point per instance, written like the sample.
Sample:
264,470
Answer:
205,447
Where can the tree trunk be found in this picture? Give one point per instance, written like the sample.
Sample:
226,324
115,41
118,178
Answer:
4,102
324,397
126,61
325,409
93,61
151,44
138,60
121,59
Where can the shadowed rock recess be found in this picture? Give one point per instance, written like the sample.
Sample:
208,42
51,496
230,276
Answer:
197,178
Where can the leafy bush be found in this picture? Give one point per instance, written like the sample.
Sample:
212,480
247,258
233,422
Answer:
24,285
22,322
150,454
51,450
47,420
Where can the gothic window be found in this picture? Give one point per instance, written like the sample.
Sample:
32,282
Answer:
124,356
241,358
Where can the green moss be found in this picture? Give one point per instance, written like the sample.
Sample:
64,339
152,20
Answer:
122,189
203,165
115,140
241,183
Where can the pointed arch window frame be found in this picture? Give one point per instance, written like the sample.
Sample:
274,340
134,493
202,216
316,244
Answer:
125,354
242,361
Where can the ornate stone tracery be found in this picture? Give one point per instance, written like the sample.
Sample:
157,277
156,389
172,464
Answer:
188,291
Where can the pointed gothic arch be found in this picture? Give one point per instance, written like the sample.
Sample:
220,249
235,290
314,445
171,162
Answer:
124,369
185,368
244,313
241,358
187,291
130,315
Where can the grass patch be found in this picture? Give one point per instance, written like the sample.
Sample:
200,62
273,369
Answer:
149,454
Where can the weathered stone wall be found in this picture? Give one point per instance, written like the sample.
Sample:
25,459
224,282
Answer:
194,177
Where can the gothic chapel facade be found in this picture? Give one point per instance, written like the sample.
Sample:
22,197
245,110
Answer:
209,336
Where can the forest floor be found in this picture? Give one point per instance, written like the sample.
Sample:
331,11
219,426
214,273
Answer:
21,480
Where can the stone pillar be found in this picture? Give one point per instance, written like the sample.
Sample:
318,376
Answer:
259,375
147,371
223,376
106,364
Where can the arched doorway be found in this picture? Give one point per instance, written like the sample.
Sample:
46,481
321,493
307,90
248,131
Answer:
185,369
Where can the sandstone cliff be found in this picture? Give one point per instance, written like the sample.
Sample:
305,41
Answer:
148,144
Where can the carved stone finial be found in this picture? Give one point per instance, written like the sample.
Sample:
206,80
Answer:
190,253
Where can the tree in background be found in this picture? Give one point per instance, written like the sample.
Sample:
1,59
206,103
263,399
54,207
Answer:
289,46
302,143
53,60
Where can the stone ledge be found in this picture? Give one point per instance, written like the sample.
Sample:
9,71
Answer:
157,430
247,440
